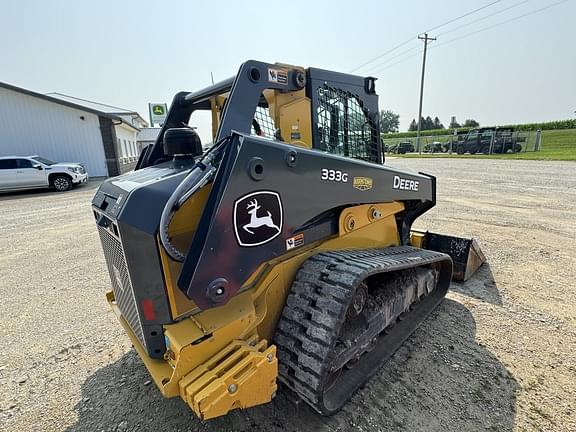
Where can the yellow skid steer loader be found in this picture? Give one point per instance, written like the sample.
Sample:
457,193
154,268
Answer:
282,252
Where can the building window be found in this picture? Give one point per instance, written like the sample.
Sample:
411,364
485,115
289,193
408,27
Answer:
128,150
125,152
120,150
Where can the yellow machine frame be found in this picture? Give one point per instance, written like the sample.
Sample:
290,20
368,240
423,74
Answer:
214,375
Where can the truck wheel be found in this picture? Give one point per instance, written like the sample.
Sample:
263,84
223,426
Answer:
517,148
62,183
460,150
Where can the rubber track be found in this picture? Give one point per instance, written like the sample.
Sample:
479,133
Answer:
316,308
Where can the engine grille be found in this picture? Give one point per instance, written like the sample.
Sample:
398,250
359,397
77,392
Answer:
121,283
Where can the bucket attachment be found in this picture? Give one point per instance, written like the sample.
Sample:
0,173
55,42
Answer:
465,252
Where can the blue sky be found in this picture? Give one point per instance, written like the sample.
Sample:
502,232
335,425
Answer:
130,53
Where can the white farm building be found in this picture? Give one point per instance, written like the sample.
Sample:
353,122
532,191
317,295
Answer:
67,129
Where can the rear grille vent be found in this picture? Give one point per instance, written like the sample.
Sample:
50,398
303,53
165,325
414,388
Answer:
121,284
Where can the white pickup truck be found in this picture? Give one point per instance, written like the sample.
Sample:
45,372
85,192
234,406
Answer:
31,172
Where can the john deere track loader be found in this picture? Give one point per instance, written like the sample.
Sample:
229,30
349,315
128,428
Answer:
282,253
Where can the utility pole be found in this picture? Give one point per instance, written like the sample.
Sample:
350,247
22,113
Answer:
426,39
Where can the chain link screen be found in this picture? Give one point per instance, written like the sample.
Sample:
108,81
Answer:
344,127
263,125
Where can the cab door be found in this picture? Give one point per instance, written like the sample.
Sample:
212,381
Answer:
28,174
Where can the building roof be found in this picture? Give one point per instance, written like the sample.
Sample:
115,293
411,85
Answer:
125,116
148,134
97,106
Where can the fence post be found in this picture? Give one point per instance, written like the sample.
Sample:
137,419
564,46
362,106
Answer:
491,141
538,140
527,141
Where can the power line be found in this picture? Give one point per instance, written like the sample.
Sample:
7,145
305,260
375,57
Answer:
383,54
411,39
501,23
483,18
463,16
398,62
474,32
385,62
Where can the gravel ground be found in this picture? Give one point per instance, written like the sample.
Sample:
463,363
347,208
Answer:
498,354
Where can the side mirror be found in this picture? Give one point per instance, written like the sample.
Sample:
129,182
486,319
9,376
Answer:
38,167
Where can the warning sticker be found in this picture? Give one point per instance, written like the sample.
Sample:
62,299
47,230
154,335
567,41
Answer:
278,76
294,242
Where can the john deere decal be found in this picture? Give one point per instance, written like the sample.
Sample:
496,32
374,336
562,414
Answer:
257,218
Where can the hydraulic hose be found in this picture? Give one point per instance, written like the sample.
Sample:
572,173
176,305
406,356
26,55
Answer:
200,174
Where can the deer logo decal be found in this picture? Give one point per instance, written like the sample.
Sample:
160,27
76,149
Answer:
258,221
257,218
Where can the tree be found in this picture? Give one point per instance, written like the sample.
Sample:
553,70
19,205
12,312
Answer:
438,124
471,123
389,121
426,124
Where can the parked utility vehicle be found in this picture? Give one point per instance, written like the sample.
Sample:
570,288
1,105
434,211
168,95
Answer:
489,140
31,172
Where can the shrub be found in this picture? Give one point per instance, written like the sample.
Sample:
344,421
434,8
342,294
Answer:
553,125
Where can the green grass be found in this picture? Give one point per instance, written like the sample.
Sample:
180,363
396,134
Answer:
557,144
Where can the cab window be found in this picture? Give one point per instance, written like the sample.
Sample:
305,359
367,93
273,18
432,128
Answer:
7,164
23,163
343,124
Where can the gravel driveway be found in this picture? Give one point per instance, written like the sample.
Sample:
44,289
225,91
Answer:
499,354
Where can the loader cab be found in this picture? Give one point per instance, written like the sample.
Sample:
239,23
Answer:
312,108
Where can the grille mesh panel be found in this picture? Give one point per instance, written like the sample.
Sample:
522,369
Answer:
121,284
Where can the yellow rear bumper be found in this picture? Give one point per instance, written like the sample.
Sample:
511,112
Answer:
211,375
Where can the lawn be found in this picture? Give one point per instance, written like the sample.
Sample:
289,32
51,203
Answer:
557,144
